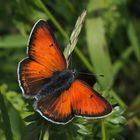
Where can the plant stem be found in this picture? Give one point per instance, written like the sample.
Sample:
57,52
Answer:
137,121
48,13
64,34
119,100
5,118
103,130
84,60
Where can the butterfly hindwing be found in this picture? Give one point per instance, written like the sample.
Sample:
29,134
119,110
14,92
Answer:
55,107
86,102
78,100
44,59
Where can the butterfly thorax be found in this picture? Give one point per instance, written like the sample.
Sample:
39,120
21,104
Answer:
59,82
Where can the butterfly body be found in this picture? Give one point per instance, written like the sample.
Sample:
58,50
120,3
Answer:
44,76
58,83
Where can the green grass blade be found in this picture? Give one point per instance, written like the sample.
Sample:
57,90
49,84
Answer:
6,119
134,40
64,34
17,124
98,51
12,41
97,45
118,65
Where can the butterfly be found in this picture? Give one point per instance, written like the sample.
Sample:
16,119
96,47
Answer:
44,76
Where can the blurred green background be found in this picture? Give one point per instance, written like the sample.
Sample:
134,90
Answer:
109,44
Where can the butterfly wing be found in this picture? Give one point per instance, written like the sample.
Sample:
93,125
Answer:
56,107
78,100
44,49
44,59
88,103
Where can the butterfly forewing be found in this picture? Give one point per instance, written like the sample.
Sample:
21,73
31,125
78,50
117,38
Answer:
45,58
44,49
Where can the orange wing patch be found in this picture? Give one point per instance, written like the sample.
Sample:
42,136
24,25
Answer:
45,58
44,49
78,100
56,108
86,102
32,76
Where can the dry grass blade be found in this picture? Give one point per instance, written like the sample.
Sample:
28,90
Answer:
74,35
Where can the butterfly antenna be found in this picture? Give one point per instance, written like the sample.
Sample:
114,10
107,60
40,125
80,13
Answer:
84,73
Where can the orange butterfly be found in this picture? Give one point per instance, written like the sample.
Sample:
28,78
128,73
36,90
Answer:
44,76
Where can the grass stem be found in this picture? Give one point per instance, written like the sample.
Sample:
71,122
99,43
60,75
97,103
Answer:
5,118
103,130
65,35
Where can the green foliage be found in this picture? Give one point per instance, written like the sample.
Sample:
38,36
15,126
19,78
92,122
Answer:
108,45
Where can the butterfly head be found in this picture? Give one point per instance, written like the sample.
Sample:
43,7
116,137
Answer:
68,75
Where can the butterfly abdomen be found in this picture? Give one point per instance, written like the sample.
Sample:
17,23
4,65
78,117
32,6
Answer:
59,82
